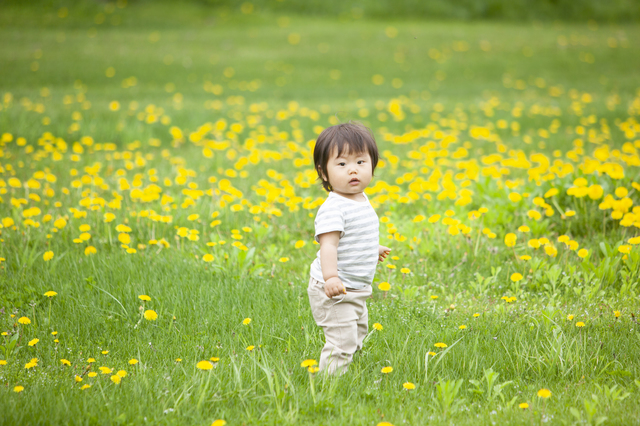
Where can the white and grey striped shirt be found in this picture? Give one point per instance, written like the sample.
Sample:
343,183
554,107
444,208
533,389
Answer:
359,239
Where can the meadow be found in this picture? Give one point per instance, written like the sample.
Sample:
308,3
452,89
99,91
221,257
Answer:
157,197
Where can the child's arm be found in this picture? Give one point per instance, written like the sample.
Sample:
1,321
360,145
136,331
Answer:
383,252
329,261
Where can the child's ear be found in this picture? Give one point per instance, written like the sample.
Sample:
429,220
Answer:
321,173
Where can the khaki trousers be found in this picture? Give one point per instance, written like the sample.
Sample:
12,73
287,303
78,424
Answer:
345,322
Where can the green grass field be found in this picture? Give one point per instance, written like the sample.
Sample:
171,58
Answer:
166,150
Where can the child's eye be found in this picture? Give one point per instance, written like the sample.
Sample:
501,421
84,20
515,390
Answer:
341,164
361,162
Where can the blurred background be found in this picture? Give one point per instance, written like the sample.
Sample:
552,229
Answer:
344,59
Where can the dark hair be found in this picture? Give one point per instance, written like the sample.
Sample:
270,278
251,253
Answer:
352,137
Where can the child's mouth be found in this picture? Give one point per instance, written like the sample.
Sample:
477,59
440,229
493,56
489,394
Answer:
354,182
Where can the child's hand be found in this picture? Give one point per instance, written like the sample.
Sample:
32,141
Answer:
383,252
333,287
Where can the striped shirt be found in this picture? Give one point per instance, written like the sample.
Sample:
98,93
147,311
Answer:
358,225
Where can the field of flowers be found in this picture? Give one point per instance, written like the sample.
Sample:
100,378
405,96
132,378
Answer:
157,196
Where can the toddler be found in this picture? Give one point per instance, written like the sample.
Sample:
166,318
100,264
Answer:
346,227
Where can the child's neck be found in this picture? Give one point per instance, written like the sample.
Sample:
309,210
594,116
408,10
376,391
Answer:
359,197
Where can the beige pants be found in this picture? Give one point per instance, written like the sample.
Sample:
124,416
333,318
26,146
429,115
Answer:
344,320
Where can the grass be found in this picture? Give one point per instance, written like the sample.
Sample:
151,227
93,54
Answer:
459,82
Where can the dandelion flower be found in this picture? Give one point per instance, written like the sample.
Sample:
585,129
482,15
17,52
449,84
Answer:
150,315
431,353
616,314
92,374
121,373
51,294
387,370
144,298
377,326
408,386
300,244
246,321
85,387
3,362
476,315
525,257
523,405
24,320
219,422
580,324
250,348
77,378
384,286
214,359
283,259
515,277
405,270
313,369
116,379
583,253
133,361
18,389
65,362
308,363
434,297
204,365
462,327
105,370
440,345
544,393
90,360
47,256
570,317
384,424
33,342
624,249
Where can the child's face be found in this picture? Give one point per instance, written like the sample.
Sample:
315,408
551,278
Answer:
350,173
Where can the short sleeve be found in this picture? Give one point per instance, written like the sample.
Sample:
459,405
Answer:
328,220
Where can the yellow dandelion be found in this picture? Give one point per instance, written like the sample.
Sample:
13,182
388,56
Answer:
462,327
408,386
116,379
250,348
18,389
150,315
300,244
133,361
24,320
440,345
51,293
33,342
283,259
204,365
523,405
47,256
218,422
246,321
405,270
144,298
544,393
516,277
308,363
65,362
85,387
377,326
580,324
387,370
384,286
